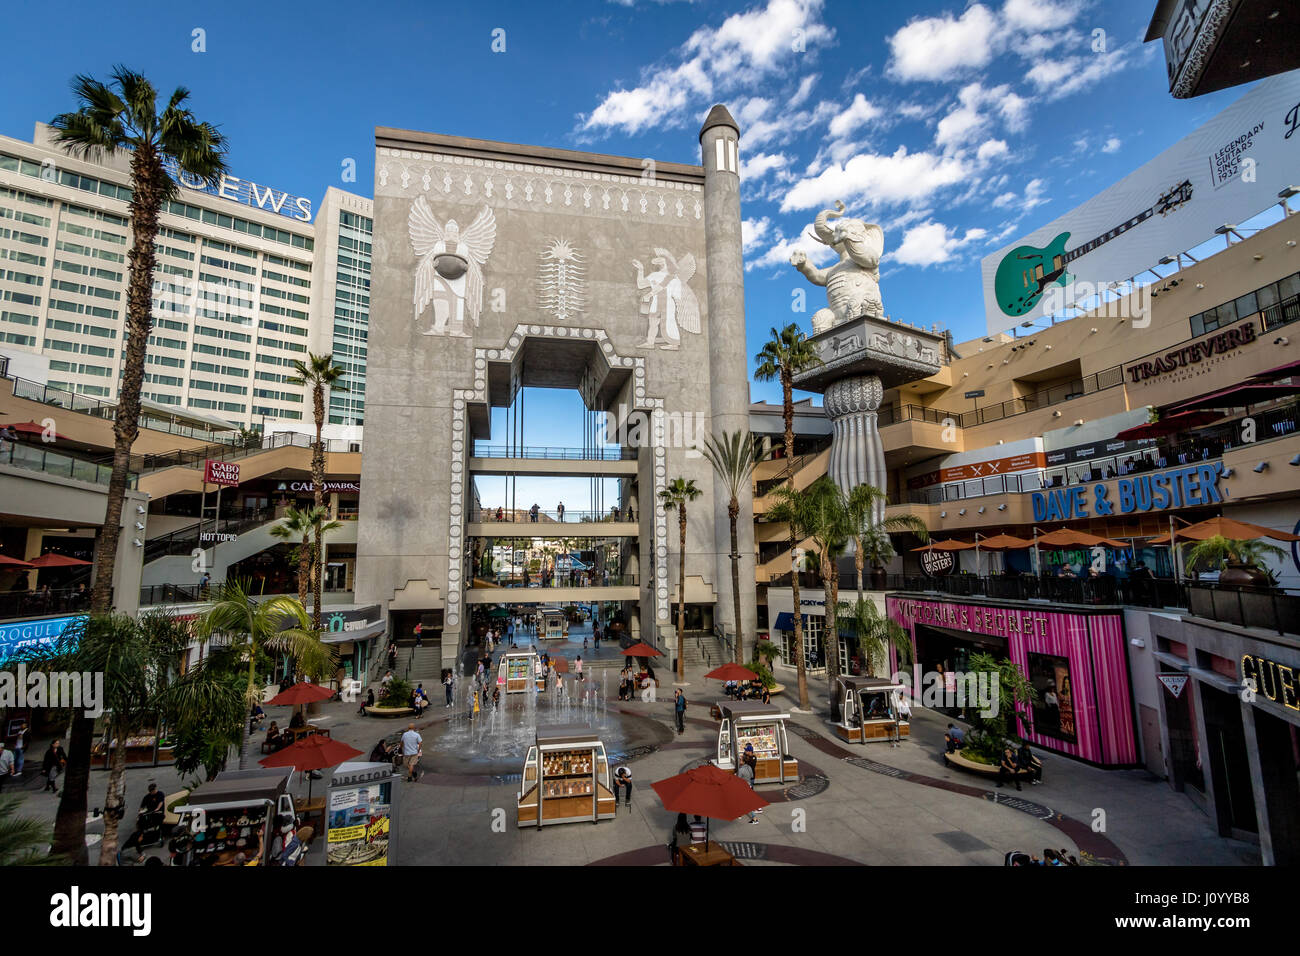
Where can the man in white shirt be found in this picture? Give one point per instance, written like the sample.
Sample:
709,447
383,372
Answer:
411,744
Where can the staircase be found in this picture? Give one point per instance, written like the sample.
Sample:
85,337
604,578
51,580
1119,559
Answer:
426,667
700,649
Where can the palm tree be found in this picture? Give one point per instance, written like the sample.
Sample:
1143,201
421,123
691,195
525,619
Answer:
23,840
320,372
679,492
865,503
122,115
830,525
789,508
257,626
876,633
304,525
785,354
732,458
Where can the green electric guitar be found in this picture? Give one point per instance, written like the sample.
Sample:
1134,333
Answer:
1026,271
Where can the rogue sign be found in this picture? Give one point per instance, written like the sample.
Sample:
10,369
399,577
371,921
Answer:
1180,488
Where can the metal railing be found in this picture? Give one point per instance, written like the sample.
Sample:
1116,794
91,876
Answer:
36,458
520,516
894,414
1272,609
564,579
172,594
1283,313
74,402
194,457
564,454
14,604
185,540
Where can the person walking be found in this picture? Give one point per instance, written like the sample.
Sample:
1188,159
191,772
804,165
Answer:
559,509
746,773
447,683
577,666
52,765
679,708
419,630
411,749
6,764
20,747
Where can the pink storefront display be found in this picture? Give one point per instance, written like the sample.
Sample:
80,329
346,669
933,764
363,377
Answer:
1075,659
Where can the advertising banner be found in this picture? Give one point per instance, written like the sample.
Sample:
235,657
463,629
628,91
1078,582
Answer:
360,816
221,473
1229,170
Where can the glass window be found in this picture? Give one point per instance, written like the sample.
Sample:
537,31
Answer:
1211,319
1246,305
1198,324
1288,287
1227,314
1267,296
209,217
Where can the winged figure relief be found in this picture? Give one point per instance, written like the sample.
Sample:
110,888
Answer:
450,272
668,304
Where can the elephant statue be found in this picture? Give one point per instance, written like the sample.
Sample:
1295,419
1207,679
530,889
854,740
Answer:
853,283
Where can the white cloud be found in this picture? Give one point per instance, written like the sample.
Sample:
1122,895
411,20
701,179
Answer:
990,150
932,243
760,124
1061,76
1112,145
902,177
975,112
753,232
1034,16
940,48
858,113
1030,199
743,50
778,254
760,164
804,91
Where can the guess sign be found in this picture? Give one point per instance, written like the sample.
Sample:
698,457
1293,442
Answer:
935,563
221,473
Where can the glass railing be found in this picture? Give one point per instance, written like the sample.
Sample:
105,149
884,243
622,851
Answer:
194,457
562,579
520,516
36,458
563,454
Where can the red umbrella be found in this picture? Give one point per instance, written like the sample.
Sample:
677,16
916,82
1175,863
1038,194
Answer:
731,671
32,428
641,649
300,693
14,562
708,792
311,753
52,560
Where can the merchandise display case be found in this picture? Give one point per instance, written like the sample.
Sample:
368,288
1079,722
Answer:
555,623
867,708
566,779
762,727
516,668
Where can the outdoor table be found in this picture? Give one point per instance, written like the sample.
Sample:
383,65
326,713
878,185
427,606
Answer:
311,810
707,854
313,729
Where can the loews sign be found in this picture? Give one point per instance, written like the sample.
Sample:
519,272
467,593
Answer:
221,473
247,193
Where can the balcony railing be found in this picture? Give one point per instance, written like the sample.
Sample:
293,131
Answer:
505,515
37,458
563,579
194,457
187,539
16,604
894,414
1273,609
559,454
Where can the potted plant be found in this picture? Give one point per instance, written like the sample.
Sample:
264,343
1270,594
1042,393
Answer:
1241,562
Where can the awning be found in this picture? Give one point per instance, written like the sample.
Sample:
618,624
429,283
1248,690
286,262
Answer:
785,621
1290,368
1169,424
1238,396
371,630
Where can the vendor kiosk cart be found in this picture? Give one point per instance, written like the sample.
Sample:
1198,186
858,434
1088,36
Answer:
867,709
761,726
554,624
241,811
516,668
566,779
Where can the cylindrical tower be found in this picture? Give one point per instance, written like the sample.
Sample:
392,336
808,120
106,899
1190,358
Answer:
729,380
857,456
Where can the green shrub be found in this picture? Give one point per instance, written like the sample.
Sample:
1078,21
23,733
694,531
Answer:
396,694
764,673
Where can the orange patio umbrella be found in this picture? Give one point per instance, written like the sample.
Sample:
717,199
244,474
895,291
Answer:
1228,528
949,544
8,562
731,671
1003,542
1073,538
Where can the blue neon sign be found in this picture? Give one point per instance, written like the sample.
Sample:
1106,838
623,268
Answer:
43,632
1179,488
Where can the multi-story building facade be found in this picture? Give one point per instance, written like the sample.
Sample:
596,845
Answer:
240,291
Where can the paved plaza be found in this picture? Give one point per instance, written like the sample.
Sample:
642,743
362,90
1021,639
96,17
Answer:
873,805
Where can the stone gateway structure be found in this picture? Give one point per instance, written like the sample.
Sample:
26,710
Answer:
498,267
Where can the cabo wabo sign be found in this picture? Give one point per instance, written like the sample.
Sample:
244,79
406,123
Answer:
1179,488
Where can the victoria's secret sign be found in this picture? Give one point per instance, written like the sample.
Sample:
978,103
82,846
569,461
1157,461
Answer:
1000,621
1192,355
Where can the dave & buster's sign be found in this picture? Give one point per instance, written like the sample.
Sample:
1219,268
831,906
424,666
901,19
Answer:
935,563
221,473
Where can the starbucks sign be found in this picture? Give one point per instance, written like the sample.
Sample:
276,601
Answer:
935,563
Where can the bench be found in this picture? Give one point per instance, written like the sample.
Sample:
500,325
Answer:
991,771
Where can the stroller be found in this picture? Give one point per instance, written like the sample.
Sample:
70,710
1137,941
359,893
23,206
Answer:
147,833
1018,858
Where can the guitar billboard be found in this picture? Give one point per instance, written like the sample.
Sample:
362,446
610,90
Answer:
1227,171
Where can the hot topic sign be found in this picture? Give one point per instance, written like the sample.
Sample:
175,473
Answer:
221,473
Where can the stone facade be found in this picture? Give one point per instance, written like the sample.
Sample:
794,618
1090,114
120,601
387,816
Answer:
497,267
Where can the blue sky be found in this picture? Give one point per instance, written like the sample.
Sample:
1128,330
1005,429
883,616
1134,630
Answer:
957,126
